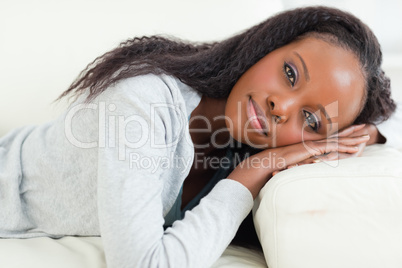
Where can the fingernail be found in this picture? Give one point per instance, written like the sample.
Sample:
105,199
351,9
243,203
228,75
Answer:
318,160
358,126
366,136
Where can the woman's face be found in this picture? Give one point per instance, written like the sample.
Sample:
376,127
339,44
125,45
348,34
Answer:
306,90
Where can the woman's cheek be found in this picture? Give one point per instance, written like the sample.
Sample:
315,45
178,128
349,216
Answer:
288,136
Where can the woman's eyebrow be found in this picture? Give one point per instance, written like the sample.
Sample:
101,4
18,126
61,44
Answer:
305,71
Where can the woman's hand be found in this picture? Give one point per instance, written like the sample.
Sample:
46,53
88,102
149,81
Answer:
369,130
366,129
255,171
353,131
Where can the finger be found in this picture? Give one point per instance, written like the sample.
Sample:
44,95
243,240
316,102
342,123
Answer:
338,155
307,161
371,130
361,149
354,129
321,158
348,131
333,156
358,148
329,157
316,159
301,152
343,148
317,148
294,165
350,140
275,172
360,132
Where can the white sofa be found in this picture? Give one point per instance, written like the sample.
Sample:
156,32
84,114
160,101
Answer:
87,252
340,214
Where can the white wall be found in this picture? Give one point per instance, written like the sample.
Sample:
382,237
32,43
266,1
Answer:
44,44
383,16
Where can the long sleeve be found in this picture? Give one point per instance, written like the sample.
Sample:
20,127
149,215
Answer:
392,128
132,194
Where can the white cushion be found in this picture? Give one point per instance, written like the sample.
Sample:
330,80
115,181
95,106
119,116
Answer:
339,214
239,257
87,252
44,252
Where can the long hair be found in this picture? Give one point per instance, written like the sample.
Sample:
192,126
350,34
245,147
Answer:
214,68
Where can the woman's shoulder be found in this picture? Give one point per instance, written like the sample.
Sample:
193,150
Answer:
152,87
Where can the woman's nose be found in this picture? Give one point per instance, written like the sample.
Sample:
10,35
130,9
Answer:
280,108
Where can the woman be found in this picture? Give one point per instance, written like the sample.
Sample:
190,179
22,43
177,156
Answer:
139,145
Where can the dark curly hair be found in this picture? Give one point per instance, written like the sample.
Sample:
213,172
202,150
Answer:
214,68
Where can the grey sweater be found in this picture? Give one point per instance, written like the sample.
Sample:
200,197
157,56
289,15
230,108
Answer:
114,167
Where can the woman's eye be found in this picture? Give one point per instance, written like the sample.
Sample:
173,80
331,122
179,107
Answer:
289,73
312,121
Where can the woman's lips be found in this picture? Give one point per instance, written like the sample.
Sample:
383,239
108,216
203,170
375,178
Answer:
257,118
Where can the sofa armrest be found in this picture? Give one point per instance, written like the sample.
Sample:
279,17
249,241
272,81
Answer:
343,214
